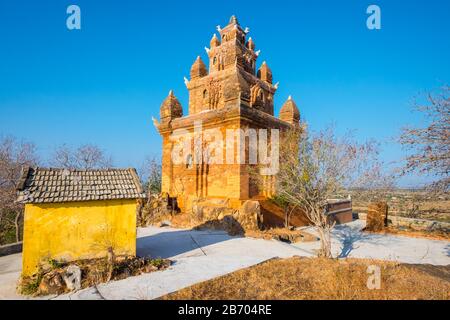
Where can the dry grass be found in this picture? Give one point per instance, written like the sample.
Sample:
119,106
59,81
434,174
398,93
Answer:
323,279
434,235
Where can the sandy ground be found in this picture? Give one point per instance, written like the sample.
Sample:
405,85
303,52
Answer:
203,255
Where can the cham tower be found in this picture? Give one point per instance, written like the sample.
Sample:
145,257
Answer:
229,93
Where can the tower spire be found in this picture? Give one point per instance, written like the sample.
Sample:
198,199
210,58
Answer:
170,108
198,69
289,112
233,20
264,73
215,42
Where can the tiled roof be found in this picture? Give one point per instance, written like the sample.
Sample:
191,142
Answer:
48,185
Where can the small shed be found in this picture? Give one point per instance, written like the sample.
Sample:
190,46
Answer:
77,214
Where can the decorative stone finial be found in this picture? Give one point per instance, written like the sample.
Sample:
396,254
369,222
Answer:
214,41
264,73
233,20
170,108
250,44
198,69
289,112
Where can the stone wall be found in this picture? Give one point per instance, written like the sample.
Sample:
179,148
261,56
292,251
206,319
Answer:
10,249
415,224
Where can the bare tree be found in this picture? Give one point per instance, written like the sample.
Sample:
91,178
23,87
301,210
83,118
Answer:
430,144
84,157
14,155
313,169
151,175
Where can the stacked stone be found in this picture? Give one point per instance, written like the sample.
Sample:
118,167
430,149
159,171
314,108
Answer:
235,222
377,215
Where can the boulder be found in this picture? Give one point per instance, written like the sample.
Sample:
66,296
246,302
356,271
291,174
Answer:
197,213
72,277
211,215
154,210
249,215
52,283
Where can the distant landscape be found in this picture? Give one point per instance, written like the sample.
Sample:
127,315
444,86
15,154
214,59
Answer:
409,203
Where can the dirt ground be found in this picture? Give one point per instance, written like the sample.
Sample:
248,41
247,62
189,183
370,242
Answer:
313,278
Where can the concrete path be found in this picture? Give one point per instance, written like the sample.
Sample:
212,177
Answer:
349,241
203,255
10,269
197,256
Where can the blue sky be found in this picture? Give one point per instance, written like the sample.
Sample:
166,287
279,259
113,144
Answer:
103,83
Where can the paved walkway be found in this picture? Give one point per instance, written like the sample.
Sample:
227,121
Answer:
349,241
10,268
202,255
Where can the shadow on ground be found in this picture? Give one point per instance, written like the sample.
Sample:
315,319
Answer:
350,238
167,244
442,272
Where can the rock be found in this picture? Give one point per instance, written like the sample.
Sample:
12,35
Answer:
210,213
250,215
153,211
196,213
72,277
213,215
233,226
165,223
45,266
377,216
283,238
150,268
52,283
289,237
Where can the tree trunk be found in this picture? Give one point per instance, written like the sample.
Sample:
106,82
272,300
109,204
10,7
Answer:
286,218
111,259
325,242
17,225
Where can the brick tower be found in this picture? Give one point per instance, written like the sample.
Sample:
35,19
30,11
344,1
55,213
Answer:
232,94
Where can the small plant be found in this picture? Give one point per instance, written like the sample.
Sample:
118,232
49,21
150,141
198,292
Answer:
55,264
30,285
158,262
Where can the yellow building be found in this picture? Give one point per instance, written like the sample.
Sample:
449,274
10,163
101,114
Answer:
77,214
